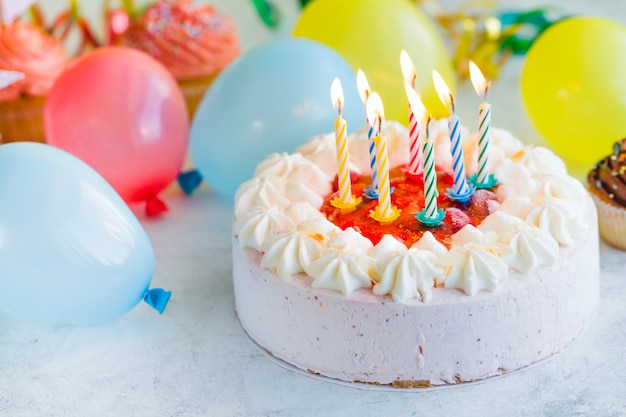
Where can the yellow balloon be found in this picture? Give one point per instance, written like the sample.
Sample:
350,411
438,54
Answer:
370,34
573,85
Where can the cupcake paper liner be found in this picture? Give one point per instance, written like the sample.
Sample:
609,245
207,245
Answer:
22,120
193,91
611,222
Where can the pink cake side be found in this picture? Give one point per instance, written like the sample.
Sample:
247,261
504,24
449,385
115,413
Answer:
451,339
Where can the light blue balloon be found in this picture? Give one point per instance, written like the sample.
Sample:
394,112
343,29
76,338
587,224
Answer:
271,99
71,251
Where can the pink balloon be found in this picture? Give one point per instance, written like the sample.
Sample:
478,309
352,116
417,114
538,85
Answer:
121,111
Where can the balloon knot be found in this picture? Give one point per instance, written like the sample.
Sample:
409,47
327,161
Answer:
155,206
157,298
189,181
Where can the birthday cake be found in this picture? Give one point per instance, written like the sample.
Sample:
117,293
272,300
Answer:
506,279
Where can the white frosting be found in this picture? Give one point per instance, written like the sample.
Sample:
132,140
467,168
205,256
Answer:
474,262
295,168
299,192
551,186
404,273
554,216
320,150
530,247
540,160
430,243
540,209
562,187
264,192
286,254
301,211
259,224
344,265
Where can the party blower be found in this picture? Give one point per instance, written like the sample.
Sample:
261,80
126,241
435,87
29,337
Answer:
71,251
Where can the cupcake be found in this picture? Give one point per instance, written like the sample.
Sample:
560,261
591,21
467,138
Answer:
607,185
41,58
194,41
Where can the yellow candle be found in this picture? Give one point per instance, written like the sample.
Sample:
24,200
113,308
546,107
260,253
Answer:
384,212
346,200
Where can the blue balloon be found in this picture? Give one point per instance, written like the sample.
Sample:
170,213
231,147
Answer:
71,251
271,99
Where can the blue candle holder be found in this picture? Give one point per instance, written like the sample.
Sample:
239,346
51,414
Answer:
463,196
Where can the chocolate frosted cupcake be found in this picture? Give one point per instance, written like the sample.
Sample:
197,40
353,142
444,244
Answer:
607,185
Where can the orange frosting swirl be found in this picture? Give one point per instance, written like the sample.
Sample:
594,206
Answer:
30,50
191,40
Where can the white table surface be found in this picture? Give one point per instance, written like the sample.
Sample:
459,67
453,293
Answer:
194,360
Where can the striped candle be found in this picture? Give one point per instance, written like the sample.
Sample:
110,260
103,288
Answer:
461,190
414,167
373,161
482,178
415,150
430,216
384,196
460,185
345,200
430,179
484,122
384,212
364,92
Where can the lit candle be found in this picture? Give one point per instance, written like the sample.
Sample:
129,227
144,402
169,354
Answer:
482,178
346,200
414,167
461,190
384,212
430,215
364,91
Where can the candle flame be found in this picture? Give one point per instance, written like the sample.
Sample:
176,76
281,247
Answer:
336,93
408,69
442,89
416,103
478,79
362,85
375,109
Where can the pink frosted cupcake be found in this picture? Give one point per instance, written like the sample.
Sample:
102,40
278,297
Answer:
194,41
29,50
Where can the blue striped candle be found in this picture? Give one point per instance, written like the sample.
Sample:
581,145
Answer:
364,91
461,189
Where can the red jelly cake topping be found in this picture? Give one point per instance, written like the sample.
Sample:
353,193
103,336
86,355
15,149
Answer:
408,196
